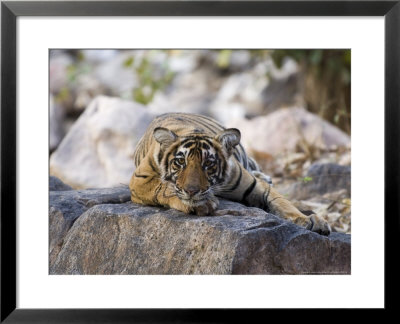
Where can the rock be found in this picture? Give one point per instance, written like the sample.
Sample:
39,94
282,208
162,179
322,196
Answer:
66,206
58,65
254,88
85,89
113,75
182,101
56,184
242,90
224,113
99,56
322,179
289,130
188,93
345,158
56,123
329,177
76,77
283,92
239,60
183,61
100,231
98,149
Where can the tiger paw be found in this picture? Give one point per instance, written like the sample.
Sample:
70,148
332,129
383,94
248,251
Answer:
177,204
207,209
319,225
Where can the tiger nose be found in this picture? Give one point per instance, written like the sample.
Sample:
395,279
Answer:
192,190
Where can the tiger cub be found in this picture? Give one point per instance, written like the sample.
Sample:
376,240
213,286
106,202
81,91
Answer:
185,161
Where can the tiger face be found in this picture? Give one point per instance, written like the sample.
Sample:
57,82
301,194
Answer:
195,164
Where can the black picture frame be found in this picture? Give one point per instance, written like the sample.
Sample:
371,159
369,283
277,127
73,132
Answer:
10,11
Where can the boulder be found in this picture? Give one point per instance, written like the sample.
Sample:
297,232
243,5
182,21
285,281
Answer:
322,178
239,95
99,231
66,205
188,93
56,184
289,130
114,75
98,149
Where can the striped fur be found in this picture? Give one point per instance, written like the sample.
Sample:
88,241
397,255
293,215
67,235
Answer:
187,161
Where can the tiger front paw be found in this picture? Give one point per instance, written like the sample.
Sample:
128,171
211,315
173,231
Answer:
208,208
319,225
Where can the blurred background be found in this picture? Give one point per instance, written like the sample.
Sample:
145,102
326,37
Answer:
291,106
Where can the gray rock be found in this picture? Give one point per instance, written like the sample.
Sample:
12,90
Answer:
111,235
329,177
99,56
56,184
66,206
283,92
288,130
322,179
188,92
113,75
98,149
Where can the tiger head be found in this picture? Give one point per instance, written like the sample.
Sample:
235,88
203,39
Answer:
195,164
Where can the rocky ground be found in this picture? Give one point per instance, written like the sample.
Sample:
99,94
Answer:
99,231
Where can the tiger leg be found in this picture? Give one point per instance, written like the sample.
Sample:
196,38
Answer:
262,176
282,207
255,191
147,188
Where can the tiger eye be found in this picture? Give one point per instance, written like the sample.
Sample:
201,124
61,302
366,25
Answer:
180,161
208,163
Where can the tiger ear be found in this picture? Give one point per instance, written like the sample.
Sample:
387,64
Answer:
164,136
229,138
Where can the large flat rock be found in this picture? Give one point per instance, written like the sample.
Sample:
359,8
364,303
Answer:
100,231
66,205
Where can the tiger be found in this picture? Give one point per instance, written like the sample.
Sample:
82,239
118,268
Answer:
188,161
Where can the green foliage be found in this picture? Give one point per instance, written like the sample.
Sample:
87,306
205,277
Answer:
224,58
73,71
63,94
305,179
151,78
129,62
77,68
